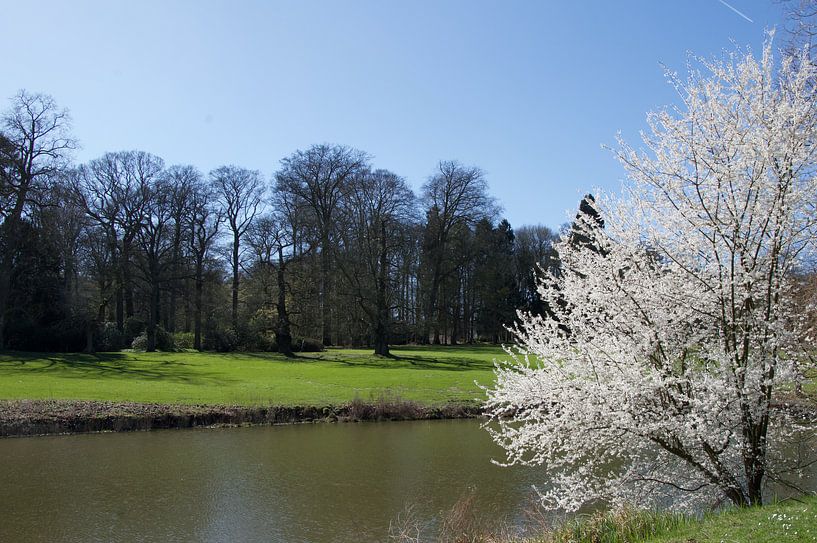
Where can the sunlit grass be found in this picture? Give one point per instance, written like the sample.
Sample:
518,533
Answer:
789,521
431,375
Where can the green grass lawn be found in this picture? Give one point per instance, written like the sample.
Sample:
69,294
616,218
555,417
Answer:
785,522
790,521
430,375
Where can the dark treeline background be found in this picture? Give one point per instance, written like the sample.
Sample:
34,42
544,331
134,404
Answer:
126,251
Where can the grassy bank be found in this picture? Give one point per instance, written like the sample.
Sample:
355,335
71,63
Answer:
43,417
428,375
59,393
789,521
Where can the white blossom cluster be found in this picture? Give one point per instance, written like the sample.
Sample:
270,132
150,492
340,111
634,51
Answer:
651,379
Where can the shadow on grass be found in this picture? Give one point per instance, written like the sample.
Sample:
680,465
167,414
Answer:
272,356
398,362
391,362
105,365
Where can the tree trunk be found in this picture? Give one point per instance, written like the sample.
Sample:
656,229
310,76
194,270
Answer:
127,283
101,308
438,317
381,345
283,336
188,306
197,309
120,304
755,463
236,242
3,302
326,290
432,323
9,238
174,270
89,337
5,287
153,312
381,329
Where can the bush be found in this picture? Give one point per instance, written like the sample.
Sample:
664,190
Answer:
306,345
220,340
401,333
164,341
267,344
140,343
67,335
184,340
134,326
109,337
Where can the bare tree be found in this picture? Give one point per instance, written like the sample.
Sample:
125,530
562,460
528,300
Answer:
316,179
155,240
180,181
204,220
239,191
535,253
114,190
34,147
378,211
97,194
271,239
456,196
64,223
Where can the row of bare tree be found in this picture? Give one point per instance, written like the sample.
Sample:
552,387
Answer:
124,246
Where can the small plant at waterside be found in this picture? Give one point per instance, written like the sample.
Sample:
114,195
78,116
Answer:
461,523
672,322
622,526
789,521
384,407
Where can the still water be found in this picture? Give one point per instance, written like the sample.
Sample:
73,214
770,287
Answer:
302,483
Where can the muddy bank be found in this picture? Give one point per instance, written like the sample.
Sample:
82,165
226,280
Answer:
42,417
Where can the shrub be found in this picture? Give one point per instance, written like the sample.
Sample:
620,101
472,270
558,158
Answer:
134,326
109,337
183,340
164,341
221,340
67,335
401,333
140,343
267,344
306,345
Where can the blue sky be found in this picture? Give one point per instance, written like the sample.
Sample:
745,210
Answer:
528,91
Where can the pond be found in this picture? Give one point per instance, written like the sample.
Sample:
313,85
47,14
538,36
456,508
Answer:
300,483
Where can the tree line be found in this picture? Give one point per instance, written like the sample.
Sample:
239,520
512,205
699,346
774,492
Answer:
125,250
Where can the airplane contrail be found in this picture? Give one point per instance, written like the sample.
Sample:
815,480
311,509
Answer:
736,10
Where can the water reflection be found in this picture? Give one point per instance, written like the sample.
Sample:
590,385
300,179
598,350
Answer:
304,483
309,483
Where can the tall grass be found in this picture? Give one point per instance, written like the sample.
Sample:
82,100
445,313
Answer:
621,526
463,523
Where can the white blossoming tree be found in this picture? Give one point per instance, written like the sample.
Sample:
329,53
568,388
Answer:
655,381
